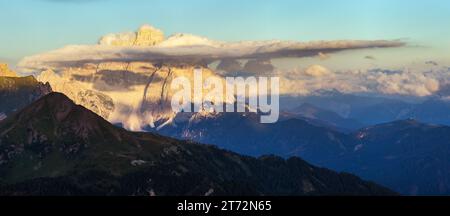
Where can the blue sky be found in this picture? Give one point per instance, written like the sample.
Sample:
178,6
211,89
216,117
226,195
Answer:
33,26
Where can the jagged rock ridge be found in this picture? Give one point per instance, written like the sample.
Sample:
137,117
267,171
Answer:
135,94
18,92
5,71
145,36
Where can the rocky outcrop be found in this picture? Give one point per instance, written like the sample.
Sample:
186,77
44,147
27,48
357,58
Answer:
259,66
20,92
5,71
136,94
230,65
146,36
81,94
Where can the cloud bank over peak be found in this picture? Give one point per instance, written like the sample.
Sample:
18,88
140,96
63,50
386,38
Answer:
149,44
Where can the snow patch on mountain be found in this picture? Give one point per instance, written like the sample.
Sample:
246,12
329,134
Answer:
182,39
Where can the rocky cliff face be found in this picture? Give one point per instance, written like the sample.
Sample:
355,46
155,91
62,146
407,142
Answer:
6,72
135,94
229,66
79,92
145,36
259,66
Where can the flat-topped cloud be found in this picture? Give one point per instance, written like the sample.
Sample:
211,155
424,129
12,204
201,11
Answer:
148,44
194,51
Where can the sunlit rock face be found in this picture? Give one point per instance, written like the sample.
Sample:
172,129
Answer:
6,72
146,36
80,92
136,95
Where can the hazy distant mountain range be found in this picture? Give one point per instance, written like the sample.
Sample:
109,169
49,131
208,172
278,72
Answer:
369,110
54,147
329,129
407,156
324,117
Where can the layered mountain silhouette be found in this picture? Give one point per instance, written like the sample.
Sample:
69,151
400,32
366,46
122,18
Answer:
371,110
326,118
243,133
54,147
407,156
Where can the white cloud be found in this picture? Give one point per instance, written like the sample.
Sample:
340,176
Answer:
109,39
410,82
405,82
317,71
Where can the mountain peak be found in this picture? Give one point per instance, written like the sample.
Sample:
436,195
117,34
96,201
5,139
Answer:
414,123
62,107
56,98
146,35
5,71
56,112
148,27
328,93
408,122
54,105
397,127
19,92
